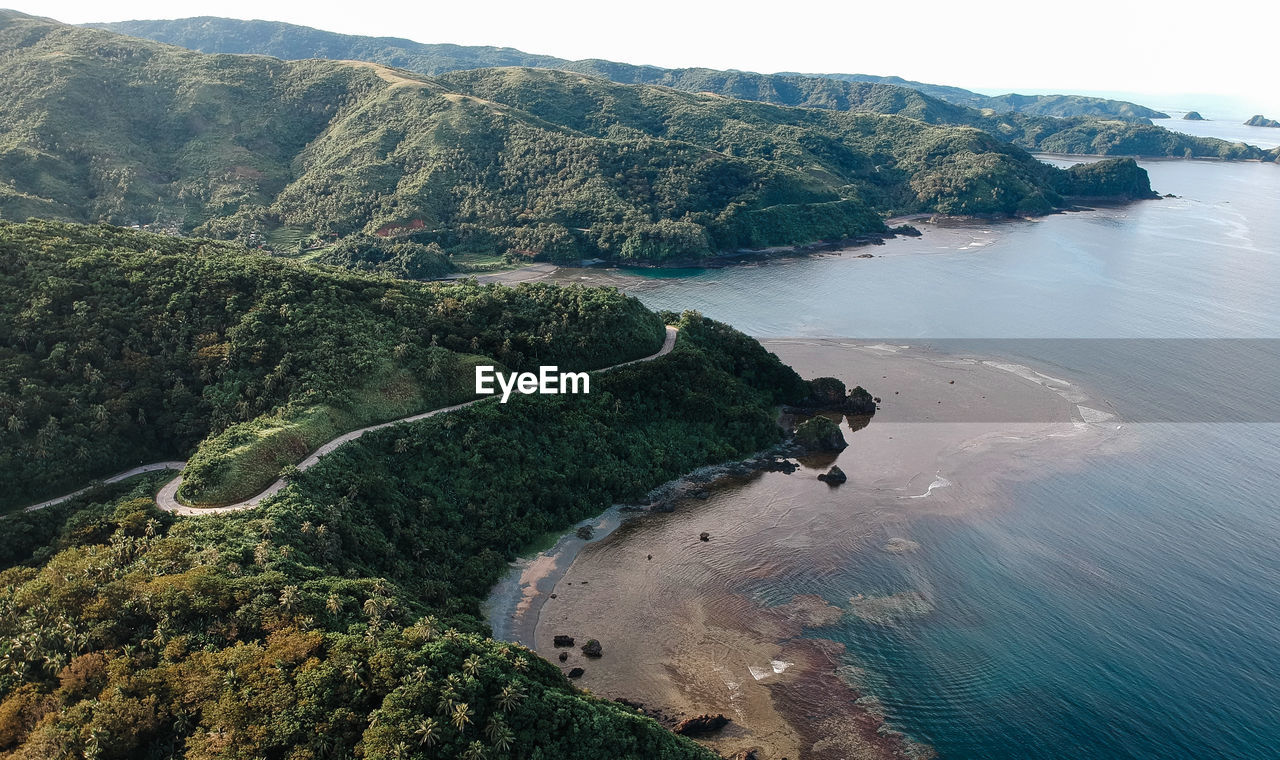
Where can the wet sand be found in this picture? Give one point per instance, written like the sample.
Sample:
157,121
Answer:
682,629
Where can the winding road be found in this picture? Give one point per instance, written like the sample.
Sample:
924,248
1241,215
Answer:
167,498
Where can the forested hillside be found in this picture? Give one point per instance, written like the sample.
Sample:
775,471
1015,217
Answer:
291,42
1057,123
341,618
523,162
119,347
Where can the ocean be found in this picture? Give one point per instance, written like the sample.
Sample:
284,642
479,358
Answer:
1128,607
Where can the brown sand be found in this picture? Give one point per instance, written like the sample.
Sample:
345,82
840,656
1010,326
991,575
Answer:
681,631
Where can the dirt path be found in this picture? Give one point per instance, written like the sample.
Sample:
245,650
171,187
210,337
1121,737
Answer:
167,499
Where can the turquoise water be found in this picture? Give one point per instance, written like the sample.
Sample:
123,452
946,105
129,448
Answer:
1127,609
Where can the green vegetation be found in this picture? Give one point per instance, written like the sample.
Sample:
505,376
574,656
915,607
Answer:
341,618
246,457
291,42
1056,123
119,347
403,171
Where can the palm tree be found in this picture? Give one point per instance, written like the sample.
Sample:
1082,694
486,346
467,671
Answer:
471,665
475,751
520,664
503,741
428,732
509,697
461,716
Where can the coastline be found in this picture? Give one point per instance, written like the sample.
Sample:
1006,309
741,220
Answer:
682,629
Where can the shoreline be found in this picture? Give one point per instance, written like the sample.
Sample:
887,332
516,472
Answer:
682,631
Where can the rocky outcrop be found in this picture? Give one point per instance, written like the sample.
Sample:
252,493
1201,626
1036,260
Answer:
561,640
1262,121
833,477
701,725
592,648
819,433
829,394
1193,116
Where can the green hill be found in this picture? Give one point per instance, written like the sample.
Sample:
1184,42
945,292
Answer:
1054,123
119,347
1036,105
295,155
222,35
341,618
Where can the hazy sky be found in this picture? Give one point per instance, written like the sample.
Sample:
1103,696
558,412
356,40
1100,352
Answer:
1163,50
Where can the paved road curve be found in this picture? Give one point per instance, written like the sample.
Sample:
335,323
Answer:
167,499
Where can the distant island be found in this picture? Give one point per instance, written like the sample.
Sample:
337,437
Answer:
1193,116
1262,121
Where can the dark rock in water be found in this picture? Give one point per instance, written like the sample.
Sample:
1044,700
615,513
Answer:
564,657
553,596
834,477
585,532
562,641
828,394
704,536
576,672
859,401
650,557
778,465
1170,195
701,725
865,256
820,434
906,229
592,648
1193,116
1262,121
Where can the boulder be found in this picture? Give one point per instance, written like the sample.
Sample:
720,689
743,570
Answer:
592,648
701,725
704,536
859,401
820,434
833,477
564,657
576,672
562,641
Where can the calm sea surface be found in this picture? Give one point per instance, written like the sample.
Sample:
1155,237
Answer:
1130,609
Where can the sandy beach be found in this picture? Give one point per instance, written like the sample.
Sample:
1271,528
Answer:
683,630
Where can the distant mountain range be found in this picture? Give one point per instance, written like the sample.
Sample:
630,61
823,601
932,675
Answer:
97,126
288,41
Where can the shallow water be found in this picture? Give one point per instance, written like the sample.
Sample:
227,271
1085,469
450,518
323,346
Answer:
1129,608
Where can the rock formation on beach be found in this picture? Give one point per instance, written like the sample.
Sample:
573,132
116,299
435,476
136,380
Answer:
833,477
701,725
820,434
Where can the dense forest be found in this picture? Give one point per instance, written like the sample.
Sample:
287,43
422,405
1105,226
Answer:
297,156
291,42
341,618
119,347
